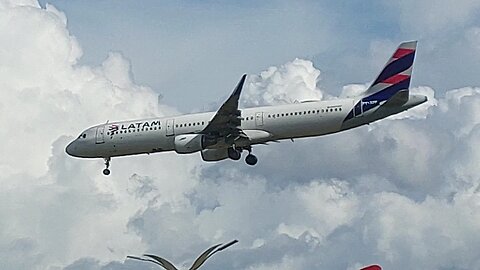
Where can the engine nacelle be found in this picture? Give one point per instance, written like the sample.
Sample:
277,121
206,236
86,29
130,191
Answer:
189,143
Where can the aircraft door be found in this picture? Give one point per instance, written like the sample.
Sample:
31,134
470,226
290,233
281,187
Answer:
99,135
358,110
259,119
170,125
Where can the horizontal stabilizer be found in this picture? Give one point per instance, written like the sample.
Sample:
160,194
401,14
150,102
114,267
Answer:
400,98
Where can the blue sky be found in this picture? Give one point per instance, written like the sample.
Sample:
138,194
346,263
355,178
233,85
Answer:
184,47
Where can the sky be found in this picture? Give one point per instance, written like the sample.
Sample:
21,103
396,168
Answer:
403,192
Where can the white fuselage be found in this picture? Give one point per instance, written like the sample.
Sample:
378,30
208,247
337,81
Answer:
278,122
281,122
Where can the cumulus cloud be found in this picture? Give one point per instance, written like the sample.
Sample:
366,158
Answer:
403,192
58,211
294,81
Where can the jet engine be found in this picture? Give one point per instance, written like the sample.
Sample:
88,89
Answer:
189,143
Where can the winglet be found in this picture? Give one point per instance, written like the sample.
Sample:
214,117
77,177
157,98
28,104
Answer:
238,88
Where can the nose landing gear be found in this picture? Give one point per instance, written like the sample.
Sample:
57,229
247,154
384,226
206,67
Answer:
106,171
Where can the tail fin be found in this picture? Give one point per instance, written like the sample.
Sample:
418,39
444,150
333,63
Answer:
395,76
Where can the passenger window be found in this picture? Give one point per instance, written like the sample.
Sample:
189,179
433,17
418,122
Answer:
203,123
189,124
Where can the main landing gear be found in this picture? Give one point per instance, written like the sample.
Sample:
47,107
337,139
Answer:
251,159
236,153
106,171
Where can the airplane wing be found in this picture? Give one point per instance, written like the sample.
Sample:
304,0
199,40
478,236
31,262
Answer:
226,122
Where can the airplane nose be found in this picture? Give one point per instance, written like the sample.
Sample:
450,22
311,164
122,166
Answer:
70,149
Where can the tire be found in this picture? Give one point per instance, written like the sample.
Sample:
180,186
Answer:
234,154
251,160
106,172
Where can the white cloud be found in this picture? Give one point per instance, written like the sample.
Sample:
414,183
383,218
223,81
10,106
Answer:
403,193
353,90
293,81
62,209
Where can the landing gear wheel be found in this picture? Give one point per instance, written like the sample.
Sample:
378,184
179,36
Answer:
106,171
234,153
251,160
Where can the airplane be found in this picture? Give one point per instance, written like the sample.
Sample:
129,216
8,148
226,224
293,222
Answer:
229,131
196,264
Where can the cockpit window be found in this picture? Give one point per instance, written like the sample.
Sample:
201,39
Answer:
82,136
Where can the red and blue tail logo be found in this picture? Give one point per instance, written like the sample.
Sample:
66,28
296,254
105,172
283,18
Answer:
395,77
396,74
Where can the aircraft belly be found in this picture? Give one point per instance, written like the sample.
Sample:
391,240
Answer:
295,129
132,145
